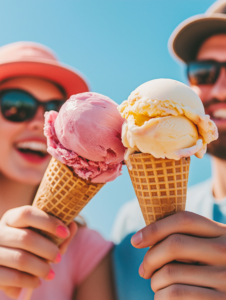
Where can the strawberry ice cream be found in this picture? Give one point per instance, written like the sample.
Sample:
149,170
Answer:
86,136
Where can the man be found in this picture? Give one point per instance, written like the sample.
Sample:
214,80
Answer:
187,259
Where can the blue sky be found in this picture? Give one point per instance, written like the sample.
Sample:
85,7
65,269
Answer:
118,45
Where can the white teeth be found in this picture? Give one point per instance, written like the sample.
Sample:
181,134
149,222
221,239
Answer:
35,146
220,113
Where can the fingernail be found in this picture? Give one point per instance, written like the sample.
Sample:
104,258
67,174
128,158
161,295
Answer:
51,275
141,270
137,238
62,232
58,258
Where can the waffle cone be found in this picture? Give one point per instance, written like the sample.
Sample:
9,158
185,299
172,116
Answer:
63,194
160,184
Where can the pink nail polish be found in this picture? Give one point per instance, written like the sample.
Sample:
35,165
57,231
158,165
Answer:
137,238
58,258
51,275
62,232
141,270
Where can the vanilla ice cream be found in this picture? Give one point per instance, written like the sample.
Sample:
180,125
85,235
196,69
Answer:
166,118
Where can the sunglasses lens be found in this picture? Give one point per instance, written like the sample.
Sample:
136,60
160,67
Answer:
17,106
202,72
53,105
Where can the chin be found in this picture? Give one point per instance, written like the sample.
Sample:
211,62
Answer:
27,176
30,179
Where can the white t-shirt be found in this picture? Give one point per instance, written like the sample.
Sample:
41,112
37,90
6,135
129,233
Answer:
200,200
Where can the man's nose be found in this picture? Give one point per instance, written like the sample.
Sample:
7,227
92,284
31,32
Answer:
37,122
219,89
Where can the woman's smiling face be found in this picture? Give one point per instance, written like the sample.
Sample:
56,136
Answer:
23,155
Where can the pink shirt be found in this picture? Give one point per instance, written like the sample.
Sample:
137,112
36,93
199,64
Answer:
83,254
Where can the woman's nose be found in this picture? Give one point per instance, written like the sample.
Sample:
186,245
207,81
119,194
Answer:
37,122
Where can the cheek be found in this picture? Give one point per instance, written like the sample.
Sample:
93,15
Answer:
203,91
9,131
12,166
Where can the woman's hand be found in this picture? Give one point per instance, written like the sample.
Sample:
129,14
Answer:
25,254
187,258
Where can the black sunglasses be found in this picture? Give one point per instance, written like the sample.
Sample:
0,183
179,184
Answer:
204,71
19,106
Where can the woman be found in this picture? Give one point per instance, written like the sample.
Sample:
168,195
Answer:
32,81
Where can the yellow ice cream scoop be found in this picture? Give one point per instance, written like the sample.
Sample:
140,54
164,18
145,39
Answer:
166,118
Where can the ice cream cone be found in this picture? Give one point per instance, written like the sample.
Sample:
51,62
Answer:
160,184
63,194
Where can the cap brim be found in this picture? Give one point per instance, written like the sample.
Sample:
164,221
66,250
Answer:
71,80
190,34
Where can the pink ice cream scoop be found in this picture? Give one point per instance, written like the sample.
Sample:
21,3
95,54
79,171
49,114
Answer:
86,136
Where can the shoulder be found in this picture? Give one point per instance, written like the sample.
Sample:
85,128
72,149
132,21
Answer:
197,194
199,188
129,219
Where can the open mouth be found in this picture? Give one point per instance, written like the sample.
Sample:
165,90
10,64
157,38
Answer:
220,114
32,150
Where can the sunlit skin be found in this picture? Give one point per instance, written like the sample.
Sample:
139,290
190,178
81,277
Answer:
187,256
214,49
12,164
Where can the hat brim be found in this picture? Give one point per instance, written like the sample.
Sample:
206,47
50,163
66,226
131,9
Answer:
190,34
69,79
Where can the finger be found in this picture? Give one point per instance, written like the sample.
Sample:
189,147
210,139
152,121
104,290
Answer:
186,292
181,222
177,273
181,247
11,277
29,216
12,292
73,229
30,241
25,262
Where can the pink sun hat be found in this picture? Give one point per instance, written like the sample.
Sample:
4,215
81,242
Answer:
34,59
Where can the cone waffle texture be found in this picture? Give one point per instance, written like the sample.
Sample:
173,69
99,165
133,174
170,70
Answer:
160,184
63,194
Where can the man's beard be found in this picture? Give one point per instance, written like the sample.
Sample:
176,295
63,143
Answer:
218,148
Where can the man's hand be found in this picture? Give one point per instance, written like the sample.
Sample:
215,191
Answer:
187,258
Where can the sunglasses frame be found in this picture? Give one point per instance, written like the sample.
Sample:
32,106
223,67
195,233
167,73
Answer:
217,64
36,101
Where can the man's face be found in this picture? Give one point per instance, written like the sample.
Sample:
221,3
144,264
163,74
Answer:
213,96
